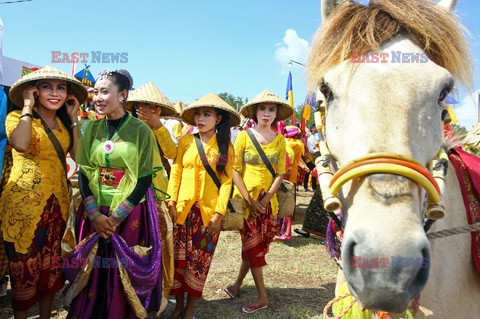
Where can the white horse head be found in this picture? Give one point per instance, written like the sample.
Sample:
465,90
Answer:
385,69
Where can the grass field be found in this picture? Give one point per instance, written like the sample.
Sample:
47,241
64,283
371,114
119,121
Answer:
300,279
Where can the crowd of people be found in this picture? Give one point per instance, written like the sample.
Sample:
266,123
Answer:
155,180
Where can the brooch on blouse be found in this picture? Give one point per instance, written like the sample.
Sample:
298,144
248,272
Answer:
108,147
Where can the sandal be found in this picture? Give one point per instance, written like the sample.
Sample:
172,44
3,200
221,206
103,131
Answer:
252,308
229,292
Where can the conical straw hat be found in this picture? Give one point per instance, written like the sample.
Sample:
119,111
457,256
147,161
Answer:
149,93
284,110
75,86
179,107
210,100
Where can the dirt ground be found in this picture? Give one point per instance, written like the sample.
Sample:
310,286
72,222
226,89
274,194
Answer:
300,279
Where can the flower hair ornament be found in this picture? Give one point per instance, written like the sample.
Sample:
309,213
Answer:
102,75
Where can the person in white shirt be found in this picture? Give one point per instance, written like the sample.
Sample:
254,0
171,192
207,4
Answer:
310,158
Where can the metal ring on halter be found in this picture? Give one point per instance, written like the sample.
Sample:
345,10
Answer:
391,164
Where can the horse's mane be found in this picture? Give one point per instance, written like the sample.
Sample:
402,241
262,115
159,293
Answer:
356,27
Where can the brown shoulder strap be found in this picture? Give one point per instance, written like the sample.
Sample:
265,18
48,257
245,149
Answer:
55,142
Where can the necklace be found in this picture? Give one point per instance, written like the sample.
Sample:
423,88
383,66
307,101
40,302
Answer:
109,145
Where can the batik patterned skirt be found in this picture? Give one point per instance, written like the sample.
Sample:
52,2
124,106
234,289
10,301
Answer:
257,234
33,276
193,253
316,217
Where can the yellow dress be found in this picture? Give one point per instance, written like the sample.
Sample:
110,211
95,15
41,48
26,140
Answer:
189,180
36,175
255,174
299,148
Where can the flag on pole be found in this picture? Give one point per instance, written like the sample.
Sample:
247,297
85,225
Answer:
26,70
289,96
452,114
310,101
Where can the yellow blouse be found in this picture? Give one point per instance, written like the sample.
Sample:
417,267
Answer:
164,139
255,174
36,175
190,182
299,148
177,131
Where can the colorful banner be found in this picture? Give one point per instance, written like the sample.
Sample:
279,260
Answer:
86,77
26,70
310,101
289,96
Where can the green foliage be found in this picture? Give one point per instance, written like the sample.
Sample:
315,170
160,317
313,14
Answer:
298,111
459,130
235,102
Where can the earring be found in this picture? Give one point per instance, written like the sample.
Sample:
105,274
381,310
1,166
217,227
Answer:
120,100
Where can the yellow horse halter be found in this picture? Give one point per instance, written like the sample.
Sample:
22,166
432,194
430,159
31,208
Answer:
386,163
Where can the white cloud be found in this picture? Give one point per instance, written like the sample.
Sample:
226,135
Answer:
292,47
467,111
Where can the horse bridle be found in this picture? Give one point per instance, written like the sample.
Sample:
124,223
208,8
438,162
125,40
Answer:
390,164
433,180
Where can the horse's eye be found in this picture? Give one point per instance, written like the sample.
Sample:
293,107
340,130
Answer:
443,95
327,93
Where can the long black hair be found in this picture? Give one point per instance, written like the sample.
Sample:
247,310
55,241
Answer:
223,139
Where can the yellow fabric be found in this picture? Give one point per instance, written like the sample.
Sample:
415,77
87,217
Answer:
306,111
169,149
291,158
299,149
453,116
165,225
177,131
190,182
255,174
36,175
354,312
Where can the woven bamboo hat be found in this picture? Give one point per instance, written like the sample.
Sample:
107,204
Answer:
210,100
179,107
149,93
284,110
75,86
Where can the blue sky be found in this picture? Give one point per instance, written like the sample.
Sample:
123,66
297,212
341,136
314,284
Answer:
190,48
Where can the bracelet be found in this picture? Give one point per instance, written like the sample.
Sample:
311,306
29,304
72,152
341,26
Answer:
261,205
74,124
27,115
91,207
122,211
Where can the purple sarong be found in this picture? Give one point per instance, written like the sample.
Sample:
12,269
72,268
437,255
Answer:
104,297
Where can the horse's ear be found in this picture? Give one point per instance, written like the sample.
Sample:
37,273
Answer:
448,4
327,7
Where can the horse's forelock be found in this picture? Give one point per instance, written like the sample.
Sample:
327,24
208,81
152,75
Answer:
354,27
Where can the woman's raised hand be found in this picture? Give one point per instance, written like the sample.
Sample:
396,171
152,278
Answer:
72,107
29,95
